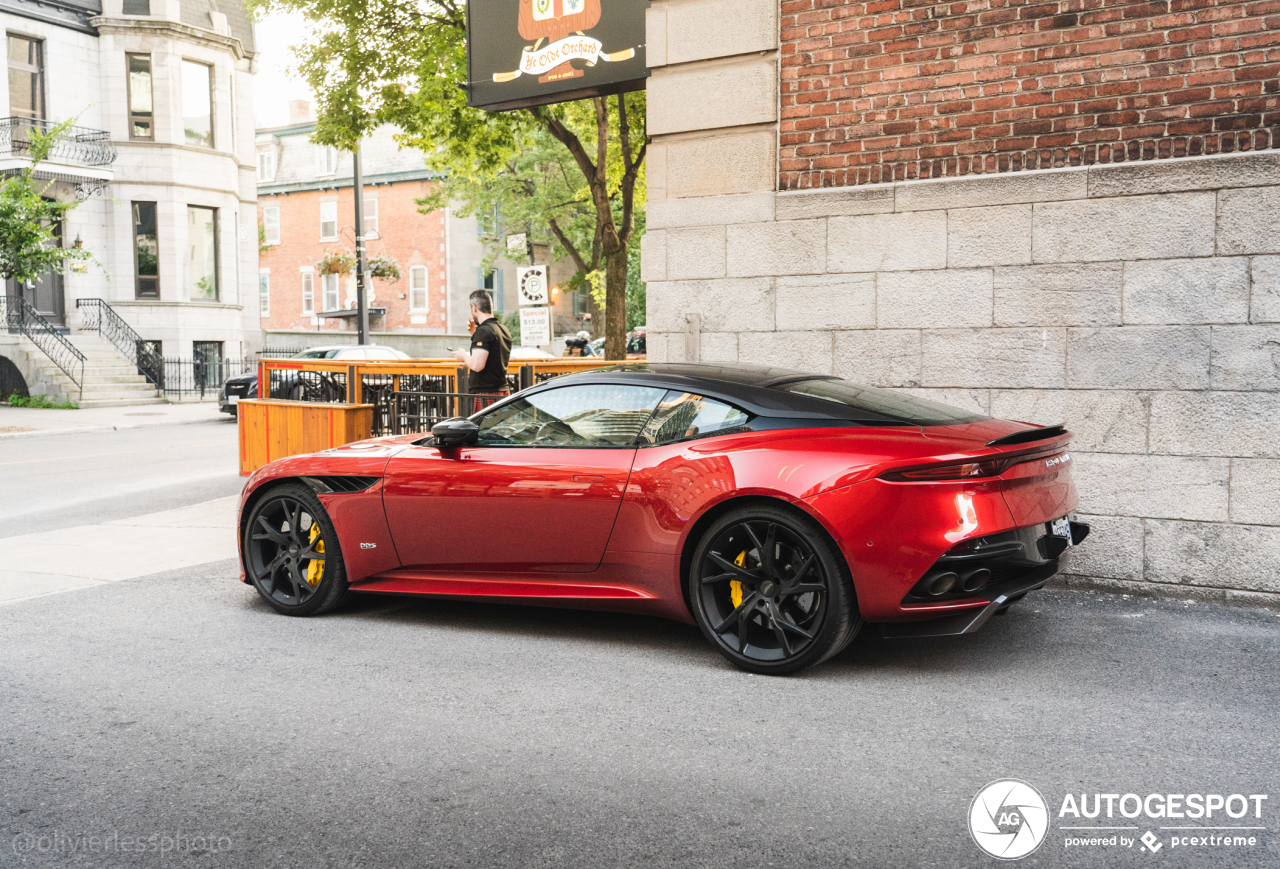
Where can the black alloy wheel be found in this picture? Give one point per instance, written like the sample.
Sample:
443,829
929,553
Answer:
291,552
770,591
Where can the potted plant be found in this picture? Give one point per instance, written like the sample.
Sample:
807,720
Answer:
384,268
339,263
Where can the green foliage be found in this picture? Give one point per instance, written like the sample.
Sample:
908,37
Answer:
28,246
512,321
543,171
41,402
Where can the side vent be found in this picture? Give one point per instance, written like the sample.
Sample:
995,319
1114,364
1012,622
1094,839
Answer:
340,485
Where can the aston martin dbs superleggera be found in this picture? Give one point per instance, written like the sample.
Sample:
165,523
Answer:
777,510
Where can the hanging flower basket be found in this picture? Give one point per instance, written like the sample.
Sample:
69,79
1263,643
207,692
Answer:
384,268
336,264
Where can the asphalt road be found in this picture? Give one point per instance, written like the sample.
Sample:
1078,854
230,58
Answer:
406,733
59,481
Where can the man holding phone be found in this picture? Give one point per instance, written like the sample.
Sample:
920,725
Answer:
489,354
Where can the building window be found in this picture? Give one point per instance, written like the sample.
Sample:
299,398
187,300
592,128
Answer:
202,252
197,103
267,165
146,251
264,293
140,96
330,282
271,224
371,218
491,280
328,221
326,160
418,288
26,78
208,362
137,7
308,292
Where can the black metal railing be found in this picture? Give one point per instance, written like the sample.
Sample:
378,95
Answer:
201,377
100,317
22,319
281,352
80,145
396,413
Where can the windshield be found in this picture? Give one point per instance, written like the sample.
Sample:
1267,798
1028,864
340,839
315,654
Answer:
317,354
893,407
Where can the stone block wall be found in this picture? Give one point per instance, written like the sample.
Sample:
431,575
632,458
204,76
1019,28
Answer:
1139,303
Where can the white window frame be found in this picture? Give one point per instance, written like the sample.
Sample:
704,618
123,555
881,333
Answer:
266,165
415,288
326,161
308,276
332,208
268,224
371,217
330,285
264,293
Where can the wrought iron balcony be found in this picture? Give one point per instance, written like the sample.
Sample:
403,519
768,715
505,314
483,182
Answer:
80,146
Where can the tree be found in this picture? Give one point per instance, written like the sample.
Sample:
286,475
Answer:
371,62
29,245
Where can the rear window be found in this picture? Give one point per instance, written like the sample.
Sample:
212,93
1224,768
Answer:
881,404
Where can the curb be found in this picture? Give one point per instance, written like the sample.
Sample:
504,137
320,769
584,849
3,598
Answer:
49,432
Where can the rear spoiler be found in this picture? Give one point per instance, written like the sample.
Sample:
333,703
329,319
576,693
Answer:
1029,435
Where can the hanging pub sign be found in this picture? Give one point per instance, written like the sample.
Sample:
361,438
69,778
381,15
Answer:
524,53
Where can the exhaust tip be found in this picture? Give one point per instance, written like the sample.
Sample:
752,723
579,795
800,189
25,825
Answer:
976,579
941,583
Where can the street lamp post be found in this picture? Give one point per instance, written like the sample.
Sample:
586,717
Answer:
362,266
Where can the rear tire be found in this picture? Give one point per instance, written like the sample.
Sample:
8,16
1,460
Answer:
281,552
771,592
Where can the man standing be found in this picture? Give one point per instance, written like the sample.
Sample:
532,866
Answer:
490,352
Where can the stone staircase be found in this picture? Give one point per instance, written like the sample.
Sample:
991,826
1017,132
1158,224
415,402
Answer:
110,380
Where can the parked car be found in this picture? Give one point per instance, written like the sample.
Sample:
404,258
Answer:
635,344
777,510
246,385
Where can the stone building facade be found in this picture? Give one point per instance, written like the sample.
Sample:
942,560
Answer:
1053,212
169,83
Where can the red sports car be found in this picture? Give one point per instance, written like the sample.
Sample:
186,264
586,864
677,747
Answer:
777,510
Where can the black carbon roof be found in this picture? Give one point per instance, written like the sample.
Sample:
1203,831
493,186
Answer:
762,391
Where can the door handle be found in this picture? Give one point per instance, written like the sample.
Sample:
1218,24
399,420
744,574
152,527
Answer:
587,478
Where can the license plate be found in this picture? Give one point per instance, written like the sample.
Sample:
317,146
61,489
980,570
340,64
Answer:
1061,528
232,399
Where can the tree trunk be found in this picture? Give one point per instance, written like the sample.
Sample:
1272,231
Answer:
615,304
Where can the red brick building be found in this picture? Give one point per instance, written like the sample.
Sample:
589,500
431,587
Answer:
889,90
306,210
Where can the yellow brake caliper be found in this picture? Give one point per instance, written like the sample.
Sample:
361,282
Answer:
735,587
315,567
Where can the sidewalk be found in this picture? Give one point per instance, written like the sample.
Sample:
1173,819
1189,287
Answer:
88,555
16,422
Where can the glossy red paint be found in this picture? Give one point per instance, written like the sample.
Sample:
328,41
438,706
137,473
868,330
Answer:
504,509
521,523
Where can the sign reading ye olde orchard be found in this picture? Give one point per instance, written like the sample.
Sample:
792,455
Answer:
532,52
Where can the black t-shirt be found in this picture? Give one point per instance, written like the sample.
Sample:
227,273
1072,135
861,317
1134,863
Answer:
494,337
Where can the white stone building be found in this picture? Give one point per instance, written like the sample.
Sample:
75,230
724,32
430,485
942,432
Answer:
166,85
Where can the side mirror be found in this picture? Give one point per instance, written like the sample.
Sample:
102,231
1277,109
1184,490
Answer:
455,432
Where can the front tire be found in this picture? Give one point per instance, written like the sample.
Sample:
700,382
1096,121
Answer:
291,552
771,592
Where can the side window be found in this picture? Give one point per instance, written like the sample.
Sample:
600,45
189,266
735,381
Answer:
575,416
685,415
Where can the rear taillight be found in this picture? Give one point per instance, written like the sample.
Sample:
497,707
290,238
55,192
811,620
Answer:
965,471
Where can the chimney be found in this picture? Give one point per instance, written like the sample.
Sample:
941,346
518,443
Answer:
299,111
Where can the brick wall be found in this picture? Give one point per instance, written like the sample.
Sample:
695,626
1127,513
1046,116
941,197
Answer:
407,236
899,89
